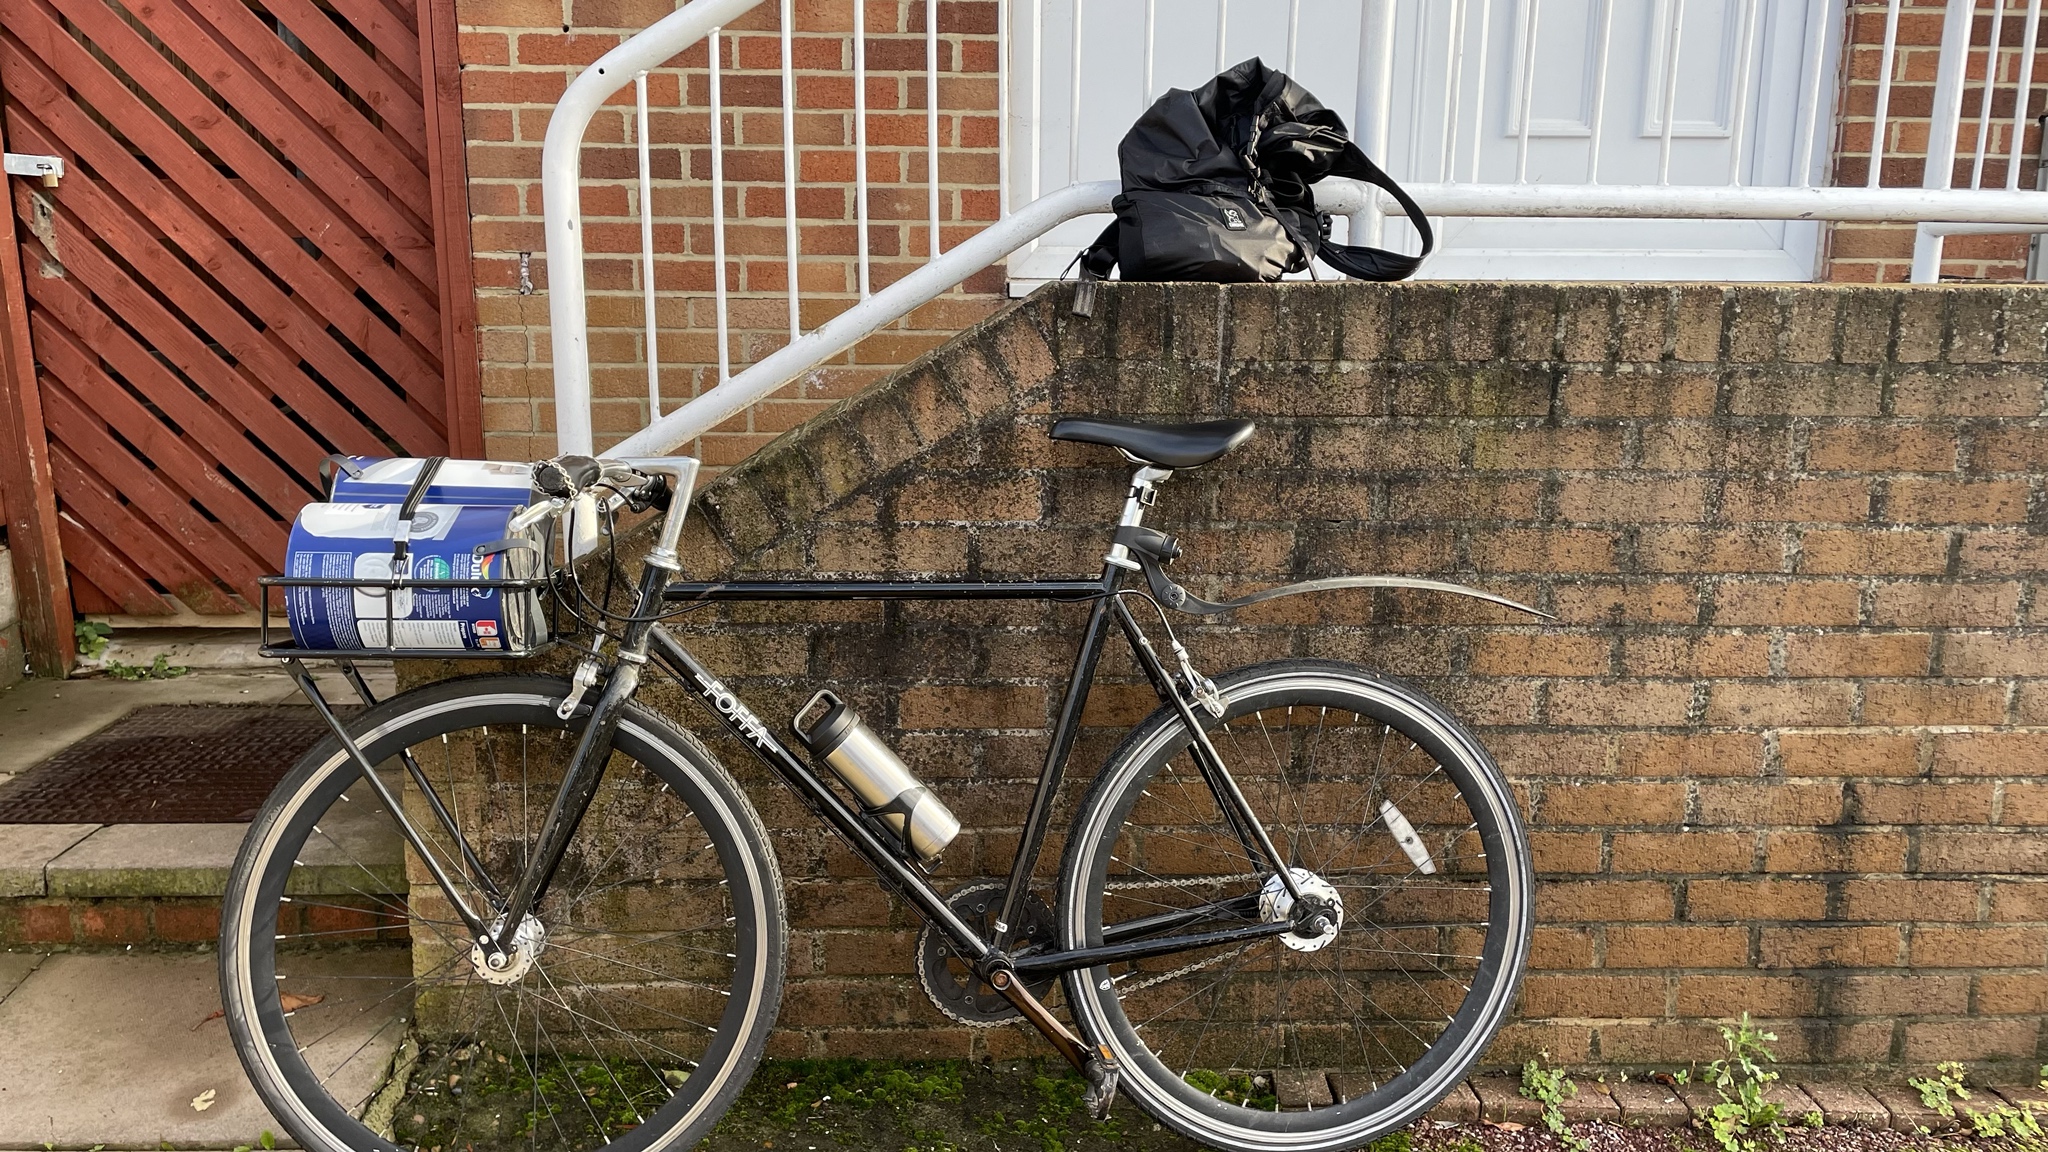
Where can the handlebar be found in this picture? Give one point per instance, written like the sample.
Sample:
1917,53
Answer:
638,482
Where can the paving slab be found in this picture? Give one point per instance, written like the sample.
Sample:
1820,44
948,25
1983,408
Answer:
1590,1102
142,860
1847,1106
26,851
1460,1106
113,1049
14,968
1794,1104
1301,1088
1501,1099
1908,1113
1649,1105
2026,1096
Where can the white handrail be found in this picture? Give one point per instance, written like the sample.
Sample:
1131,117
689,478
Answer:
561,170
845,330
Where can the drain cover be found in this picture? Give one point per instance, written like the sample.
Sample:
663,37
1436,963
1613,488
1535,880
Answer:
166,764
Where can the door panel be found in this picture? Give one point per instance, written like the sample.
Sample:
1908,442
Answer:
1742,70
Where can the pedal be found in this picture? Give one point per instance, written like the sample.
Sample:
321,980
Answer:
1102,1074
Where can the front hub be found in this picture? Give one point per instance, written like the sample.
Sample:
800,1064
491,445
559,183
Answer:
511,965
1316,918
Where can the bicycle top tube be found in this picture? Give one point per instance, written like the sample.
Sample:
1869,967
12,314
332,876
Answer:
1060,590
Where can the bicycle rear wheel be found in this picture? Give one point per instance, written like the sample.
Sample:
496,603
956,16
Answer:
1394,819
639,997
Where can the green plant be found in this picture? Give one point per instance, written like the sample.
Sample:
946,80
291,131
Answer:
91,638
1550,1087
1742,1079
1941,1090
158,669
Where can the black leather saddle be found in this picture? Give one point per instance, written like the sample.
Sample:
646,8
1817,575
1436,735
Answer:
1161,445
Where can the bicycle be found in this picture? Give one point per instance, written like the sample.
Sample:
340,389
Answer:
1298,881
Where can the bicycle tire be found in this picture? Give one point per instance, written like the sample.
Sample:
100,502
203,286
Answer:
1137,781
737,847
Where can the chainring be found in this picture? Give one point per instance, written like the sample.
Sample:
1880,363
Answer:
950,981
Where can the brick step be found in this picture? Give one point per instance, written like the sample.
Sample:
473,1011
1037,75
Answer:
117,885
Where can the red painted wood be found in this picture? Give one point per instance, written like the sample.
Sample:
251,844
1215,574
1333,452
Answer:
36,91
390,93
210,429
127,588
232,280
34,536
266,357
410,301
251,528
328,166
304,333
400,170
95,502
146,493
441,64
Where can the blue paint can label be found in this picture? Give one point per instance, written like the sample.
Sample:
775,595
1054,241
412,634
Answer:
341,541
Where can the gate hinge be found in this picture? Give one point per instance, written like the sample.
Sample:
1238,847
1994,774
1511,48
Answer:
50,168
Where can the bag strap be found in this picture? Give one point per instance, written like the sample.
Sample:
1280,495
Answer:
1359,261
1096,261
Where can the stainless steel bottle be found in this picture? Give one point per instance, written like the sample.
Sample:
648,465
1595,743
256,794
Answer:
885,786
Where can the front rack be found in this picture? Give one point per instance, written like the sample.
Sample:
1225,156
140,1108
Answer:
289,649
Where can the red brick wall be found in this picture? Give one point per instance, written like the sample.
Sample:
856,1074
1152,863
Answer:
1884,252
519,55
1782,752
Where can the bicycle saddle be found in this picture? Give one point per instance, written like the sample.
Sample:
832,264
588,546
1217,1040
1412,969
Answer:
1162,445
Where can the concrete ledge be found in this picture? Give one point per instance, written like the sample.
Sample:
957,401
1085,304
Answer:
26,851
148,860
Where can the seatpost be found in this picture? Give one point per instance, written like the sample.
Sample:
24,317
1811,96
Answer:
1144,485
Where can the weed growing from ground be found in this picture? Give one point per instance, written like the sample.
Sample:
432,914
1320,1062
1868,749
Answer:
2000,1121
1741,1079
1550,1087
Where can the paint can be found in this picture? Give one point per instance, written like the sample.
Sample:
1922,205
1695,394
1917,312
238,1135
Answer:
447,542
370,480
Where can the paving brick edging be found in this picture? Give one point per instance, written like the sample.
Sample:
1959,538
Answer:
1653,1104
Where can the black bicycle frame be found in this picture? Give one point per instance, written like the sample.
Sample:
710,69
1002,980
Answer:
642,640
1136,941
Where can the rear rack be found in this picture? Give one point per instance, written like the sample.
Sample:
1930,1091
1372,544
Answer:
285,648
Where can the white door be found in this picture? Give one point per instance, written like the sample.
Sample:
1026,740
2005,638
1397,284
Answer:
1752,79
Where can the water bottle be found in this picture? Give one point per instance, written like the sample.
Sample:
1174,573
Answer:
885,786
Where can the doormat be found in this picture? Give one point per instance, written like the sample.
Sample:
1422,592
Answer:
167,764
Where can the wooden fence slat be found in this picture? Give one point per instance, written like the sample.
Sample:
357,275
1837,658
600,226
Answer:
306,335
168,510
441,73
294,84
75,311
262,352
43,36
392,33
33,528
93,502
111,572
333,299
395,99
224,383
329,169
259,533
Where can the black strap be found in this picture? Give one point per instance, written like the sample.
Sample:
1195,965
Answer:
1362,262
401,543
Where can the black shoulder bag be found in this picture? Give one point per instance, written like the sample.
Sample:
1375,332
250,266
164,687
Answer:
1217,186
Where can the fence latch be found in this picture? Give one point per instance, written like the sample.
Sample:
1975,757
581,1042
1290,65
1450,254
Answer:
50,168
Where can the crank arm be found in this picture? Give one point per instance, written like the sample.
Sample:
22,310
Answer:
1070,1046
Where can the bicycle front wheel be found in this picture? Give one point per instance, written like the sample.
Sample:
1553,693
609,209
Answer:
1392,820
640,992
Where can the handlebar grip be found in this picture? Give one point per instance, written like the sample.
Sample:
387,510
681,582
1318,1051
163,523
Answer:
567,476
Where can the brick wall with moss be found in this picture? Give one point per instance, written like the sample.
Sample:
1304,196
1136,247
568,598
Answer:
1782,752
